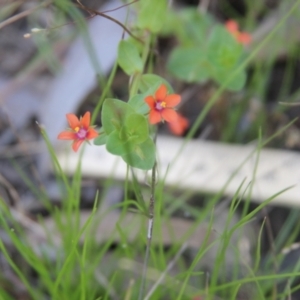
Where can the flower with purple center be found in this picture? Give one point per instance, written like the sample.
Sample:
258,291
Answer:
162,105
80,130
81,134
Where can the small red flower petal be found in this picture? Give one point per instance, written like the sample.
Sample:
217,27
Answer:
161,93
150,101
66,135
179,126
154,117
244,38
85,121
169,115
77,143
73,121
172,100
232,26
91,134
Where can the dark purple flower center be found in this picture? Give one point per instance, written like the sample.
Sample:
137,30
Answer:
81,133
160,105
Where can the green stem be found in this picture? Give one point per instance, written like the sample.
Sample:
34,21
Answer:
105,91
149,234
135,82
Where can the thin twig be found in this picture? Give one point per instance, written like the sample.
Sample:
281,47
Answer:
98,13
129,290
105,283
38,233
32,165
167,270
203,6
22,14
271,238
114,9
26,149
153,274
170,3
149,234
12,192
289,103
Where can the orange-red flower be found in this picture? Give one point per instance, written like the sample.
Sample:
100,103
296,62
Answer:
179,126
80,130
242,37
162,105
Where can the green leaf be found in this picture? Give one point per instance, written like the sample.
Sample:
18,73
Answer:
129,58
151,81
101,139
189,64
135,131
118,146
142,157
236,83
223,50
136,127
192,26
137,102
152,14
114,113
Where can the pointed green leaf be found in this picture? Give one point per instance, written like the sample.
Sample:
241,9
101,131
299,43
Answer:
129,58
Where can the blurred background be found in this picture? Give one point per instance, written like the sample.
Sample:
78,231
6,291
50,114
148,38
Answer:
55,58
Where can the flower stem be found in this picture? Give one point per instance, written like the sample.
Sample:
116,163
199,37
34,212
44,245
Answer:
149,234
135,79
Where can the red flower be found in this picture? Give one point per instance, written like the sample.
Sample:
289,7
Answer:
80,130
162,106
242,37
179,126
